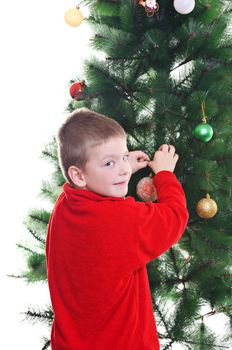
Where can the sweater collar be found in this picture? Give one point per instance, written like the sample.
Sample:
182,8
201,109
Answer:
75,194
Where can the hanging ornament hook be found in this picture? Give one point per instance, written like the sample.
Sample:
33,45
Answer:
203,131
151,6
74,16
204,118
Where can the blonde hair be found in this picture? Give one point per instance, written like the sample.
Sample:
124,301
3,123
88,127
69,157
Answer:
83,130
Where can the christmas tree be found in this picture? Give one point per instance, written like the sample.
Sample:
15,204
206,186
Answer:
163,71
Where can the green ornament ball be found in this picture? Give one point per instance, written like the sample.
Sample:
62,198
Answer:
203,132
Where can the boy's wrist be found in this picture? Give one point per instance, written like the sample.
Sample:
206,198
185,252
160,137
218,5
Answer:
163,170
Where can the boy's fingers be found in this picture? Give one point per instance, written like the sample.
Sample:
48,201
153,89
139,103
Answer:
143,164
141,156
172,150
167,148
143,160
164,148
176,157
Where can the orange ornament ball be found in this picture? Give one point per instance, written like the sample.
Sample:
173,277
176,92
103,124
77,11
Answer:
73,17
206,208
145,190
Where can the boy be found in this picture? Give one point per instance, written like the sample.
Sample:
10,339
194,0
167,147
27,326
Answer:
99,242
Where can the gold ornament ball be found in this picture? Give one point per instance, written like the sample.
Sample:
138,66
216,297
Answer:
206,207
73,17
145,190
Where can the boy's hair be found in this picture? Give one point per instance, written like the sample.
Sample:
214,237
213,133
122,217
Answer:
83,130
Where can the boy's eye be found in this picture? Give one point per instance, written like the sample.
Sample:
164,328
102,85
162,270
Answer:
110,163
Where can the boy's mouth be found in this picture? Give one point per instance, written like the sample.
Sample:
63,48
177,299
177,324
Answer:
121,183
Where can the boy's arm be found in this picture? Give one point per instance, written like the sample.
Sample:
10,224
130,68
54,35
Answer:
160,225
140,232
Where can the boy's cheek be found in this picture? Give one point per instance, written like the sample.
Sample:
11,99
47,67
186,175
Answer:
130,170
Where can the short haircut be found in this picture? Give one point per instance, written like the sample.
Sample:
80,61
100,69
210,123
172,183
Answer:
83,130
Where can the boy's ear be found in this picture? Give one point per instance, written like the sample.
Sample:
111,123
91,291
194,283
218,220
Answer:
76,176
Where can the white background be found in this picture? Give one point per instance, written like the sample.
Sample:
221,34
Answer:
40,53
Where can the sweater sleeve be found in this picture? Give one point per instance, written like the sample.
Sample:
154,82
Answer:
160,225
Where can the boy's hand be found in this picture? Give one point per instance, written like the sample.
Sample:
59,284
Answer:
164,159
138,160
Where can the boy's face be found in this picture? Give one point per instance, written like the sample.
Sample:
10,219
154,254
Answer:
107,171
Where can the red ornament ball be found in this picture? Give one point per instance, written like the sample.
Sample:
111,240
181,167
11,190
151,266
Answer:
145,190
77,89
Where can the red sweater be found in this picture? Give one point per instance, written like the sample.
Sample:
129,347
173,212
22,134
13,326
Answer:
97,251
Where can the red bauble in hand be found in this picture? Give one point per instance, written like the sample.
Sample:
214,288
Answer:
76,89
145,190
